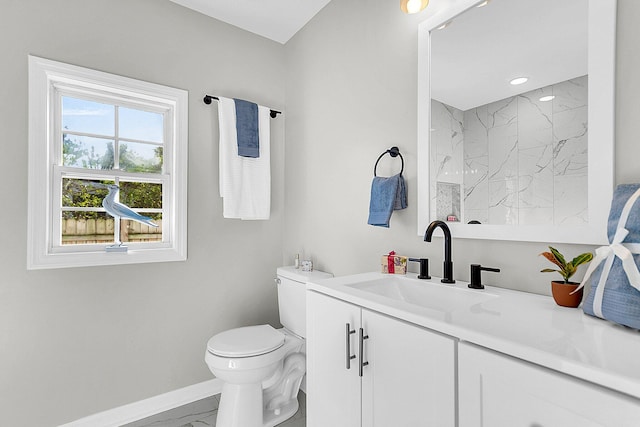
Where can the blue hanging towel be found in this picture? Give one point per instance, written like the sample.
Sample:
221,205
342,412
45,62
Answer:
401,195
247,128
387,195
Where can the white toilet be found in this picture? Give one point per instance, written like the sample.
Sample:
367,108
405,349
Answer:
262,367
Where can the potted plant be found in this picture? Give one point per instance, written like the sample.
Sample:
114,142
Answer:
564,292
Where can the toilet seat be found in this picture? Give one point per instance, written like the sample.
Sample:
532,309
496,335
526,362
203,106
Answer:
246,342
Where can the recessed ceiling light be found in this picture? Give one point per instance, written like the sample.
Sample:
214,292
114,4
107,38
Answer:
484,3
519,80
547,98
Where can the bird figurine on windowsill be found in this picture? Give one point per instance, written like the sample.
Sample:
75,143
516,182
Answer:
121,211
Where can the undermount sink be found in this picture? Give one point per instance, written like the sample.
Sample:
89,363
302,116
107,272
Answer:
424,293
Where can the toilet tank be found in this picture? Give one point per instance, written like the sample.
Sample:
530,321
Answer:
292,303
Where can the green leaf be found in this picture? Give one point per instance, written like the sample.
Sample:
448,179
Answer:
569,271
582,259
550,270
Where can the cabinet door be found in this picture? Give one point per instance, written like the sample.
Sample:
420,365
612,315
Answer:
498,390
410,378
333,391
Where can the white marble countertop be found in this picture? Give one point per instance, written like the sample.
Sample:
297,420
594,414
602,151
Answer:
523,325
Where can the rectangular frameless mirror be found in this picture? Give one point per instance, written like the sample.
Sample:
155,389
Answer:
533,161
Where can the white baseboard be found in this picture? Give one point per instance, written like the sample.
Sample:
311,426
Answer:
154,405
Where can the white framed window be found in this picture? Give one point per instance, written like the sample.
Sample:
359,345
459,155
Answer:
88,130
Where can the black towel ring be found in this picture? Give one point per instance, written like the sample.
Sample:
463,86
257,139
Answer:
393,152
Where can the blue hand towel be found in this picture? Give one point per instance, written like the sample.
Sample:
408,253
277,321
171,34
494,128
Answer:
247,128
401,195
387,194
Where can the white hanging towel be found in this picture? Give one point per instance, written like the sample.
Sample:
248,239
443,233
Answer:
245,182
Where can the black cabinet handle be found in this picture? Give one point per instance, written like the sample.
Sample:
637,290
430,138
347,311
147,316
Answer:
348,333
362,363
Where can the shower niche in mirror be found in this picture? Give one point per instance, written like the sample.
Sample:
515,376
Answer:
517,162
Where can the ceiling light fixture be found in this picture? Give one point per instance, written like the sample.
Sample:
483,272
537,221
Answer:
547,98
443,26
413,6
519,80
484,3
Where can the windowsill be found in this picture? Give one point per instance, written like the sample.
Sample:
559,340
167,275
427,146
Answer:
100,258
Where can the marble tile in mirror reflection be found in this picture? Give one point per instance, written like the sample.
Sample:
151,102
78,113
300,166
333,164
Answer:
519,161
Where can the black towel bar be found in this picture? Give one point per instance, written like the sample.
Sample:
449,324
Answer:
393,152
208,98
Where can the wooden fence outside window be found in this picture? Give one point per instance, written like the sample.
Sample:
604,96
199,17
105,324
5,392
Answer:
100,230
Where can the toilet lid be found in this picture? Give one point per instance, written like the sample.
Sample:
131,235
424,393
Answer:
245,342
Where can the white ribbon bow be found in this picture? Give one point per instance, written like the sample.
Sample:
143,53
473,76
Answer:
624,252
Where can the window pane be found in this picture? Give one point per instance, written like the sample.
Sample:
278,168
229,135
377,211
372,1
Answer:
80,115
87,152
138,157
141,125
79,230
83,193
142,195
133,231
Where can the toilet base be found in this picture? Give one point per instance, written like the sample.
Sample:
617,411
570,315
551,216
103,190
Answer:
230,414
251,405
286,412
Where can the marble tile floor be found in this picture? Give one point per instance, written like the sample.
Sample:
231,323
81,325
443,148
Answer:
203,413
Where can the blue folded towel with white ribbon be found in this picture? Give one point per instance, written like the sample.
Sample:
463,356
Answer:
247,128
387,195
614,274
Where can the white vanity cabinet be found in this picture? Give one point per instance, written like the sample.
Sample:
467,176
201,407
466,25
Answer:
407,378
498,390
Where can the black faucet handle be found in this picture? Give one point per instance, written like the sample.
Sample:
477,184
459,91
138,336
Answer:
476,278
424,267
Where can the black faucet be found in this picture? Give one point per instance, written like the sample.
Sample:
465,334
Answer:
448,264
476,279
424,267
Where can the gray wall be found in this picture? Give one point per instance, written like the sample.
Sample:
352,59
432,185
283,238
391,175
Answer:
351,94
77,341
